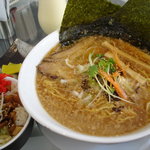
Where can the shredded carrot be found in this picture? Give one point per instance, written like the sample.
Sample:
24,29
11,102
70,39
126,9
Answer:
117,61
116,74
117,87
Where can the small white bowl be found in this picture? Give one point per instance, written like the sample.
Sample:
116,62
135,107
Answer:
20,139
30,100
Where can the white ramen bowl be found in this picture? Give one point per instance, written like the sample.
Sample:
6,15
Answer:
31,102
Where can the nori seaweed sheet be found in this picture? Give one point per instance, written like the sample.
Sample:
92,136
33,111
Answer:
106,26
86,11
124,24
135,16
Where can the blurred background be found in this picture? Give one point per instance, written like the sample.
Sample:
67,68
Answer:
28,21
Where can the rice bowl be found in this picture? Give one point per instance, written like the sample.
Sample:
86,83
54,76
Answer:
22,120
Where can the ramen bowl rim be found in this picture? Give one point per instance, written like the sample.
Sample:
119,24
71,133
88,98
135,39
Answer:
27,83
